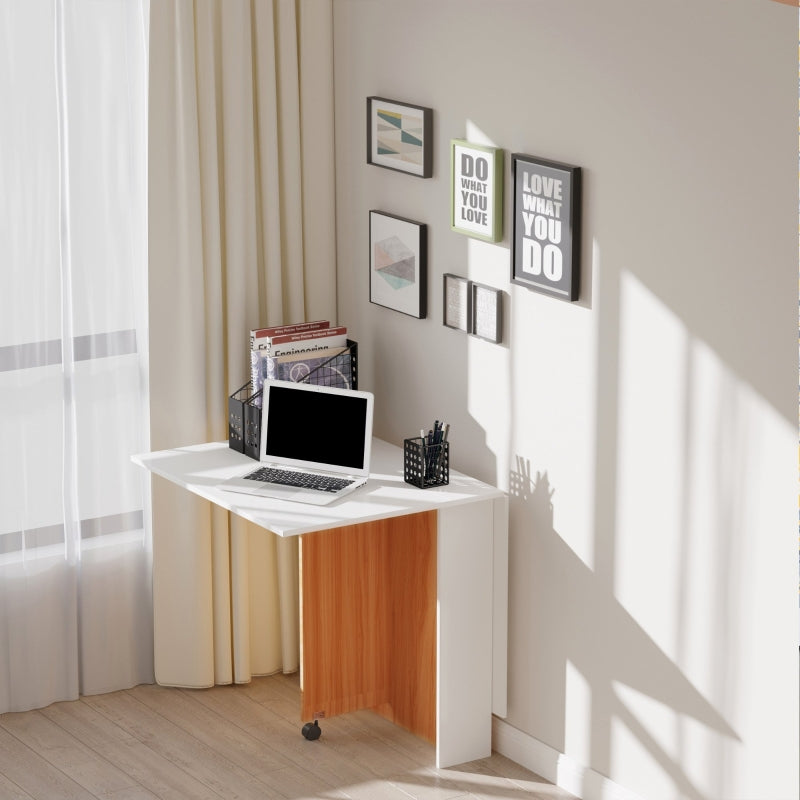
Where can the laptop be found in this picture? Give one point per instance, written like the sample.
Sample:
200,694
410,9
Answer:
315,443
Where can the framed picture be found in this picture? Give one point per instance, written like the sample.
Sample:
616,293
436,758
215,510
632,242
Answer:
456,302
399,136
486,312
476,190
547,226
472,308
398,263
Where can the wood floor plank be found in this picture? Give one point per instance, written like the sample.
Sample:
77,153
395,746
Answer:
69,755
33,774
179,747
212,728
285,738
418,751
10,791
482,781
429,784
229,742
151,770
288,777
376,789
349,735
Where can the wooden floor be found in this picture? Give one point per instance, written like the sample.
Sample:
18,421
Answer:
232,742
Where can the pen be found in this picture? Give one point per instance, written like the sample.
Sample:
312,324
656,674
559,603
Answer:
442,439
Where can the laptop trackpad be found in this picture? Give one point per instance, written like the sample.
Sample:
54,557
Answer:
283,492
299,495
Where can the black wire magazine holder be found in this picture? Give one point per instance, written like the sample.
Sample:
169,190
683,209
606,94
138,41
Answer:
236,417
244,405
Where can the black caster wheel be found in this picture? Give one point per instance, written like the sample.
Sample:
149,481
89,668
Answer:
312,730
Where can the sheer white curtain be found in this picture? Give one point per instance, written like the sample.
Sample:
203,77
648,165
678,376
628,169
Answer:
241,226
75,556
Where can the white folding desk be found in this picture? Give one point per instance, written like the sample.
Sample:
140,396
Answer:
403,591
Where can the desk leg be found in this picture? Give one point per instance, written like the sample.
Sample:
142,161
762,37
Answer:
464,659
369,621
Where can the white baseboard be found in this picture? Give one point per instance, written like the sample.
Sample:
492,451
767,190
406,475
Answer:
559,769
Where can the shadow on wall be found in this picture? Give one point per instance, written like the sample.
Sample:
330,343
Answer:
597,636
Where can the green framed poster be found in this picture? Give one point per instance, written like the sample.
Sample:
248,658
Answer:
476,190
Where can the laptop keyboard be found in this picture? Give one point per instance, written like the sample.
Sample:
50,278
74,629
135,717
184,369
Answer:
302,480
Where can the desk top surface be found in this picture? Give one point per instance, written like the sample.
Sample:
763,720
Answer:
200,468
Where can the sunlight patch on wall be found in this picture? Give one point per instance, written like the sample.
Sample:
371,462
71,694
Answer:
476,135
652,438
704,542
693,441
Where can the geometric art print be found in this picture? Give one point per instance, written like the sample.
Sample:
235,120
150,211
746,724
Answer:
398,263
400,135
394,262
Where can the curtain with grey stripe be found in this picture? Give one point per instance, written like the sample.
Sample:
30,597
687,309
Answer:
75,551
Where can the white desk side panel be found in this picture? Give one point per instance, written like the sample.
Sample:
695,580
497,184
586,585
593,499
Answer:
465,572
500,612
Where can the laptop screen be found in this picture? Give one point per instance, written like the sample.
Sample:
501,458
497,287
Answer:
316,427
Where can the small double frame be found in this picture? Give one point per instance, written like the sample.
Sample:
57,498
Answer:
472,307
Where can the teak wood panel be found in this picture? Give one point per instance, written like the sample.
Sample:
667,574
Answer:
369,621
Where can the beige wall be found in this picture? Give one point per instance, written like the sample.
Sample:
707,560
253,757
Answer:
647,433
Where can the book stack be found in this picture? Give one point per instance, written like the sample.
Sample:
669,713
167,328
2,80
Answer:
313,352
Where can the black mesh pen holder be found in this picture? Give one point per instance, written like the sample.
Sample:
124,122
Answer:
426,465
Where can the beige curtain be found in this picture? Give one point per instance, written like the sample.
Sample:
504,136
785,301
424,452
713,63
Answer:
241,235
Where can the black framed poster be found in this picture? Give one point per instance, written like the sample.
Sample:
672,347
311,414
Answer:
547,203
398,263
